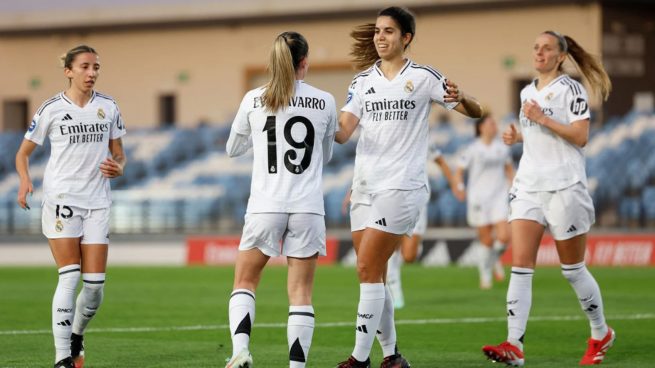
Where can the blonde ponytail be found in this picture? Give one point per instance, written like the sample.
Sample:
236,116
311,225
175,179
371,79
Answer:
590,67
280,88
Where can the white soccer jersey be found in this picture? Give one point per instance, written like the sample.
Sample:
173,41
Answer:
393,114
79,140
290,148
486,170
549,162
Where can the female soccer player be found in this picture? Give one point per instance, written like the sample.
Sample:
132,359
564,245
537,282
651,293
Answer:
490,171
290,126
410,247
550,189
391,101
85,129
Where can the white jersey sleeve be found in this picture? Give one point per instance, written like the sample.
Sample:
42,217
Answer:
332,127
117,125
438,88
40,125
240,140
577,102
354,103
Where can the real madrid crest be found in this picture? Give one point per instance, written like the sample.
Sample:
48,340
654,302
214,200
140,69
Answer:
409,86
101,113
59,226
549,96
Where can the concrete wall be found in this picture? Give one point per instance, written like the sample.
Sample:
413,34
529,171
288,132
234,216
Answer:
208,68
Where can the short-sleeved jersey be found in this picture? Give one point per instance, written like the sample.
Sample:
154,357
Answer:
393,116
549,162
288,147
485,164
79,140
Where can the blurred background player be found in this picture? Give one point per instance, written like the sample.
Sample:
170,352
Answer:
490,172
390,100
550,190
411,246
85,129
290,126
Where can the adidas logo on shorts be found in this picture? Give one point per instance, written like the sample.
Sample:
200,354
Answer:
382,222
572,229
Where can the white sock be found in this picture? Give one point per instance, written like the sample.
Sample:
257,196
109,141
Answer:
485,264
394,279
519,300
300,329
369,311
242,316
386,332
588,292
88,301
63,310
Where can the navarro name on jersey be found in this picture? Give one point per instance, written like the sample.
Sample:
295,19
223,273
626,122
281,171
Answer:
85,132
385,110
298,101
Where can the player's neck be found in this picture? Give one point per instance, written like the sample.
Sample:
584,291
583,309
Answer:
486,140
390,68
78,97
547,77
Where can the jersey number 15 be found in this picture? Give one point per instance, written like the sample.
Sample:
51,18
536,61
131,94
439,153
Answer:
307,144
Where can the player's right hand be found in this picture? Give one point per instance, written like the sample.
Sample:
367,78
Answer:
23,189
510,136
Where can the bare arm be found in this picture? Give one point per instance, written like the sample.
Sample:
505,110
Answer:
457,186
113,166
22,167
347,124
467,105
576,133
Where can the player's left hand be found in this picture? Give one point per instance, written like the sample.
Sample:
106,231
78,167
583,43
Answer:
453,94
110,168
532,111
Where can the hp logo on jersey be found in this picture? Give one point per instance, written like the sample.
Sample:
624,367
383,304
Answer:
579,106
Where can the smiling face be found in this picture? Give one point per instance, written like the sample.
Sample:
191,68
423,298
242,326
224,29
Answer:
83,71
389,41
547,54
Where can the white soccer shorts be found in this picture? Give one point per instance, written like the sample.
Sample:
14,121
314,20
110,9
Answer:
298,235
487,213
567,212
422,222
62,221
391,211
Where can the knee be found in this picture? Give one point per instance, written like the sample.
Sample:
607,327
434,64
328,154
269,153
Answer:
409,257
367,272
504,238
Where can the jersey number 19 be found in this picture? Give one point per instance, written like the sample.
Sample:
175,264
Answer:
307,144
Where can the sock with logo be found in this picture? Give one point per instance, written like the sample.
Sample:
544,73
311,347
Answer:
242,316
63,310
588,292
371,304
386,332
88,301
300,329
519,301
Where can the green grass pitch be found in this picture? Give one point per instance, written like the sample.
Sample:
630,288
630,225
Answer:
176,317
